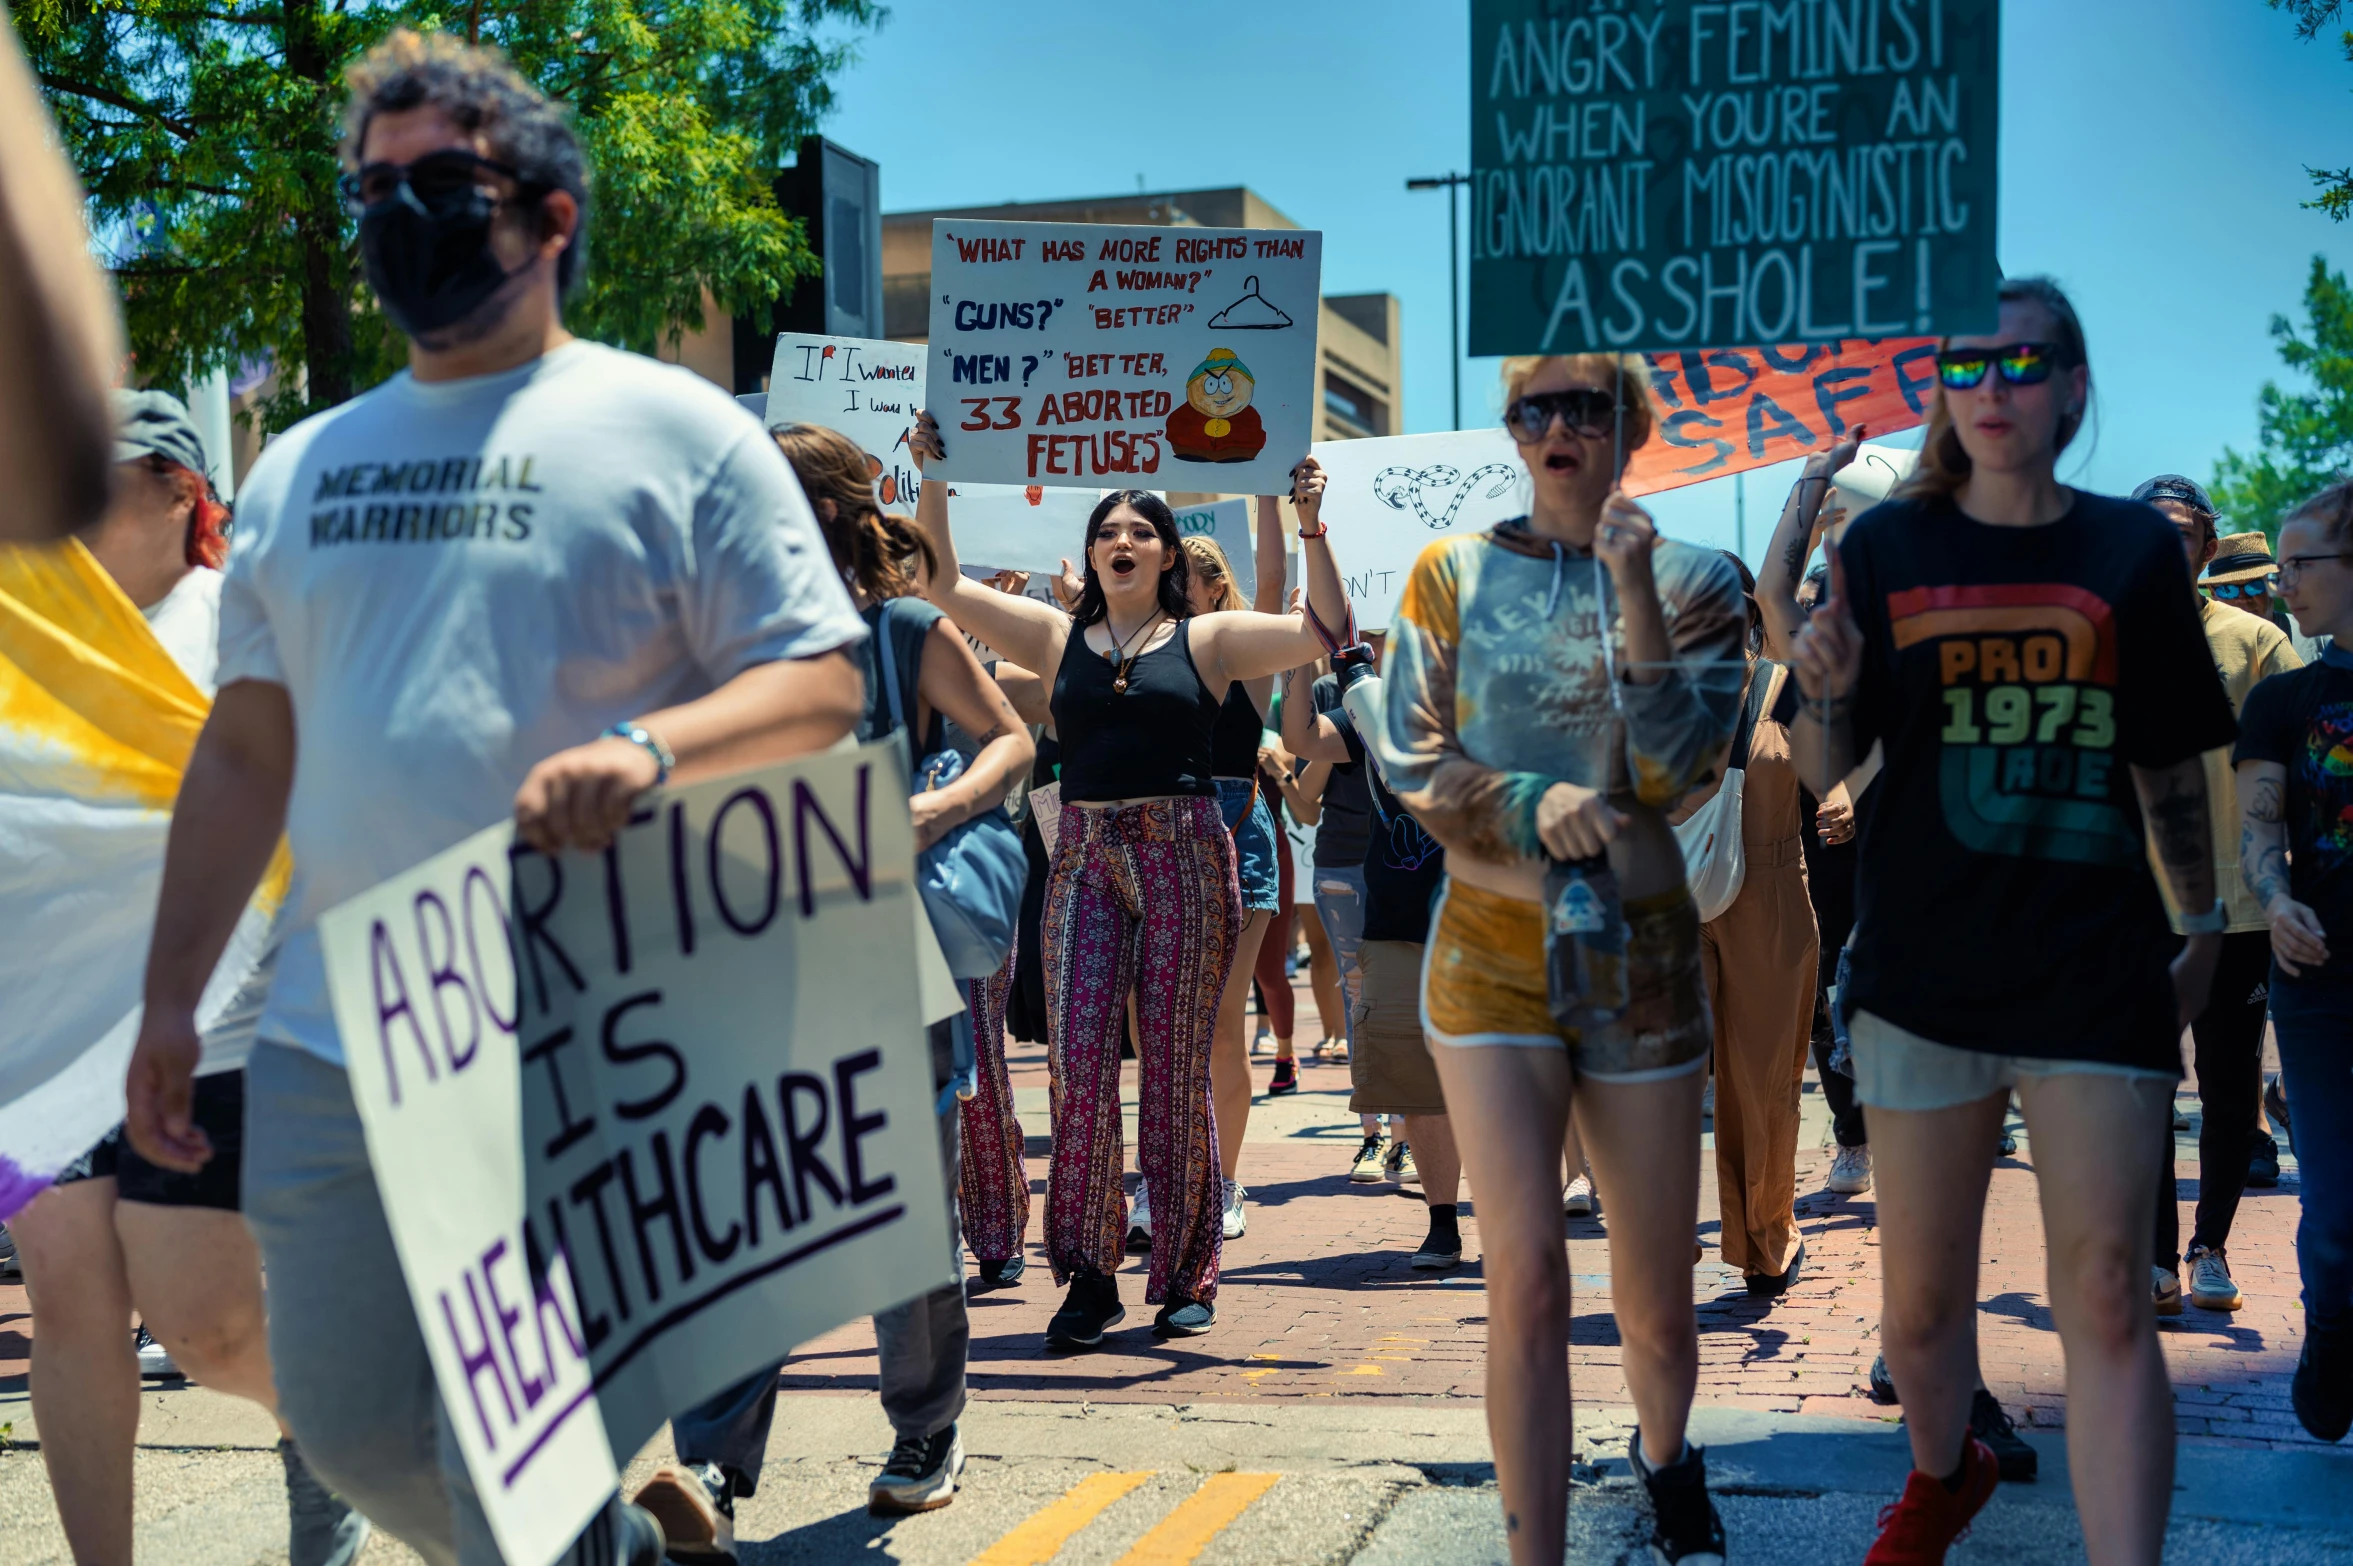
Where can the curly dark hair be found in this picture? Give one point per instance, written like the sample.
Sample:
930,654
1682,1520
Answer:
478,87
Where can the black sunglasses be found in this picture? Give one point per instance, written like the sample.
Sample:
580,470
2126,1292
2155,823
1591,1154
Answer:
2020,364
1585,410
439,183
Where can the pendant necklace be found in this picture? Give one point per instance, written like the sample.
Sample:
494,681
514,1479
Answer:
1120,661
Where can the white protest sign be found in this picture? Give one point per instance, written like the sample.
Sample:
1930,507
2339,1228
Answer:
670,1118
868,388
1388,497
1097,355
1227,524
1019,527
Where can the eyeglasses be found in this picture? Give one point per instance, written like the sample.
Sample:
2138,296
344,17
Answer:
2020,364
439,183
1584,410
2295,565
2260,588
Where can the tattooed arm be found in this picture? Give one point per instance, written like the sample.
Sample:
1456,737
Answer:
2296,936
1794,538
2173,800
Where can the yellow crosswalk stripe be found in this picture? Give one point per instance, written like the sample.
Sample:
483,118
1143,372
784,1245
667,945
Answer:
1040,1538
1199,1518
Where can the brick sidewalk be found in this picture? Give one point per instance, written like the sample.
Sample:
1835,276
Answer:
1318,1302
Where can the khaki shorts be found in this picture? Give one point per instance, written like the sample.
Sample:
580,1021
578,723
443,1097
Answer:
1898,1069
1483,984
1390,1063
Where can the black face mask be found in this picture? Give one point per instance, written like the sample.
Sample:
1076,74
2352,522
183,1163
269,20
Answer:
431,266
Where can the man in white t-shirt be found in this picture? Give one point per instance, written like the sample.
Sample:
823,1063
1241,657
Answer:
528,576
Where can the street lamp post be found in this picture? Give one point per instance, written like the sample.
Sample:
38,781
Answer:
1447,182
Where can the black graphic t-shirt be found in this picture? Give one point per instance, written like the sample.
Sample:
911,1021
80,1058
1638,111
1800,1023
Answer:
1403,866
2303,720
2004,899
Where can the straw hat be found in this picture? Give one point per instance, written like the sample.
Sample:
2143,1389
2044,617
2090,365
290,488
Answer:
2239,557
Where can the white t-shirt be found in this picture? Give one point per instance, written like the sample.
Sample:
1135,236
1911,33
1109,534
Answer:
187,620
454,581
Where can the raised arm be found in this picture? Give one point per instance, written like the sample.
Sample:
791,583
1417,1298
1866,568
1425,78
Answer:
1307,733
1680,686
2297,939
1826,659
1794,538
1030,633
1031,697
1251,646
1269,556
954,683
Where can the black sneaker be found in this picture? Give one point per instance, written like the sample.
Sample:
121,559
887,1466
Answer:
1774,1285
1684,1527
1184,1318
1440,1252
1286,1079
2263,1164
1089,1310
2322,1390
1882,1384
920,1475
2018,1461
1002,1274
2275,1105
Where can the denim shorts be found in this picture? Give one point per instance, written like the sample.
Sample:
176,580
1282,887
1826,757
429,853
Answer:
1254,843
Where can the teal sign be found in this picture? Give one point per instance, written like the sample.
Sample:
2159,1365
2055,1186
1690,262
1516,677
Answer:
1660,174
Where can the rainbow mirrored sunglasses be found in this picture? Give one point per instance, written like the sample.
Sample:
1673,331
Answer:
2020,364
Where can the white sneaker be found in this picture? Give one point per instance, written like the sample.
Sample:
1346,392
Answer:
1139,1219
1235,1224
2211,1287
2165,1291
153,1360
1850,1171
1579,1200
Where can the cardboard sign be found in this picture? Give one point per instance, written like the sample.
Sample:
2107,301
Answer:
1227,524
1721,412
1102,356
866,387
1668,174
643,1121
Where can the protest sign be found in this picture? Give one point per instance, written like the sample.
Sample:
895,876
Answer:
1096,355
1227,524
1723,411
1019,527
1661,173
868,388
644,1120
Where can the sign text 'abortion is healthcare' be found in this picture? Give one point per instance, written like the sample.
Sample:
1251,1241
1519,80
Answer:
644,1120
1670,174
1102,356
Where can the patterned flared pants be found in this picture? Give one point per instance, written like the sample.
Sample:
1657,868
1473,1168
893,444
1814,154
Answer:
995,1177
1143,898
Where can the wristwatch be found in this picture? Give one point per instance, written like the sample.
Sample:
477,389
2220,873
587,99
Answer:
648,741
2212,922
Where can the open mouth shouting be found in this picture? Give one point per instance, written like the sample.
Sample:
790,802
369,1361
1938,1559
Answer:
1123,565
1563,459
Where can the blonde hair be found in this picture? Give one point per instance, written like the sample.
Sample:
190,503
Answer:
1210,565
1602,369
1945,463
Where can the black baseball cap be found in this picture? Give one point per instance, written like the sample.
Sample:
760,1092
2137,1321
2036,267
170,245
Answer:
153,423
2185,491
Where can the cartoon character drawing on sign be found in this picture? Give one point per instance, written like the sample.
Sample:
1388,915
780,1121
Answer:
1215,422
1403,488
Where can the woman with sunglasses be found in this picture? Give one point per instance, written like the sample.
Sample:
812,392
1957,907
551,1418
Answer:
1553,686
2030,660
1143,896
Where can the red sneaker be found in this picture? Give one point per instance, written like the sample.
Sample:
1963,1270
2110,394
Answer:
1922,1525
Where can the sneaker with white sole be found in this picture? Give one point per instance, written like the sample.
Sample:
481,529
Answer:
2211,1287
1850,1171
695,1504
1368,1168
1579,1200
1139,1219
10,1267
920,1475
2165,1291
1235,1225
1399,1165
155,1362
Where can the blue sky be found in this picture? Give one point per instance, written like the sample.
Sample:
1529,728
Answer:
2153,156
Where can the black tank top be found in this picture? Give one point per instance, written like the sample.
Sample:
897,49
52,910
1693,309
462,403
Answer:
1233,745
1151,740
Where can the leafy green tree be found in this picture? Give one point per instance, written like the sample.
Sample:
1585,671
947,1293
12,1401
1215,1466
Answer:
2336,185
2305,438
206,130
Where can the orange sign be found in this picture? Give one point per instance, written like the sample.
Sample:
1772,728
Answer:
1726,410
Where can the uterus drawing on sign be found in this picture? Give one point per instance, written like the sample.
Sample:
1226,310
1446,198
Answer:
1215,422
1250,313
1408,489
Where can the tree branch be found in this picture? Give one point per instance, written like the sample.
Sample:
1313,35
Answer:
183,128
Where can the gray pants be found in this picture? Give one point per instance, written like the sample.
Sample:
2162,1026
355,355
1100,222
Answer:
922,1346
354,1382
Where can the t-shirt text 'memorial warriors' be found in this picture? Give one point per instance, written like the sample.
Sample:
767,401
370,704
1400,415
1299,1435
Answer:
426,500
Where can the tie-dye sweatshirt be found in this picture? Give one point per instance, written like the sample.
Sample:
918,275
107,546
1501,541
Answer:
1496,685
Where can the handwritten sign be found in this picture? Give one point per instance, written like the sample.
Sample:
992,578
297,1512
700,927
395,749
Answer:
1723,411
866,387
1225,523
1100,356
1663,173
644,1120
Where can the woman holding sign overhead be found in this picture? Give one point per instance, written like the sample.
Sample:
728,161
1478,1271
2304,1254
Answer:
1143,896
1553,685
